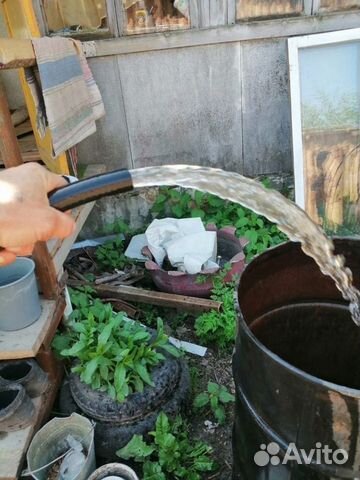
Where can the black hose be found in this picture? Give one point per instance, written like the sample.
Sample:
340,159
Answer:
89,189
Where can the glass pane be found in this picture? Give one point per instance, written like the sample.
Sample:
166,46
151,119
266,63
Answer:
146,16
64,17
330,102
333,5
247,9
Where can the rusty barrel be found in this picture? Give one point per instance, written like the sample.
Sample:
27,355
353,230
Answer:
297,370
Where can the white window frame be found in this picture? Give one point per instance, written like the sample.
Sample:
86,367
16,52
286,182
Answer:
295,44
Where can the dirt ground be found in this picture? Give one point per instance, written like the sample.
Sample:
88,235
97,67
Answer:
216,368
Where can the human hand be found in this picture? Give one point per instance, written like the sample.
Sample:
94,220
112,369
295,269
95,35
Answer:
25,214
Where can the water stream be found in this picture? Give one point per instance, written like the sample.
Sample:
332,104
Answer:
290,218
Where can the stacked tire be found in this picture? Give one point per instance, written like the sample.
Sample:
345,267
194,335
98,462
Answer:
116,423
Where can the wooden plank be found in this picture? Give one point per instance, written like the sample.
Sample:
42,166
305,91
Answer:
45,271
275,28
59,249
13,445
19,116
26,343
161,299
53,326
16,53
23,128
9,148
30,156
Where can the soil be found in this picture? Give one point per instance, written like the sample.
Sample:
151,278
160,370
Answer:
214,366
54,471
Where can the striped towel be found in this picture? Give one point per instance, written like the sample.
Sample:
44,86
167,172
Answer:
71,97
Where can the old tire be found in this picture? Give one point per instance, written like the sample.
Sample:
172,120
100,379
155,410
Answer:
102,407
110,436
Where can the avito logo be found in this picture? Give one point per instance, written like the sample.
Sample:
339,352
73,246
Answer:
322,454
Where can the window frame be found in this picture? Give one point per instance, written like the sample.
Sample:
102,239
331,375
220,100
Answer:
201,18
112,16
295,44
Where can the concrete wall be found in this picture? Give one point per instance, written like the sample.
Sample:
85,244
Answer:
224,105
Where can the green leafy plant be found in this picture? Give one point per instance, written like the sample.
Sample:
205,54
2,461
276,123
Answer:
111,255
170,454
211,209
219,327
119,226
111,353
216,397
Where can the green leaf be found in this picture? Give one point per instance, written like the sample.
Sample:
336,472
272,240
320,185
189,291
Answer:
251,235
197,212
242,222
105,334
89,371
215,201
219,413
161,198
78,327
162,426
136,449
213,388
214,402
74,350
119,377
175,352
240,212
144,374
175,194
198,197
153,471
201,400
226,397
60,343
141,335
177,211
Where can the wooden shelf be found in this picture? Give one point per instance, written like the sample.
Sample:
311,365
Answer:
14,445
26,343
59,249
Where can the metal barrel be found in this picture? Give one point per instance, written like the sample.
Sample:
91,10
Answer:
296,370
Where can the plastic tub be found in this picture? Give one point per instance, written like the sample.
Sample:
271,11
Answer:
19,297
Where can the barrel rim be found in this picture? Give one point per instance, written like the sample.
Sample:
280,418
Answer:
343,390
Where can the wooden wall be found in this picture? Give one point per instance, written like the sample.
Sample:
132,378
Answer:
224,105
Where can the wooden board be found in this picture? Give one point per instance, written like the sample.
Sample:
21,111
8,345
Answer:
14,445
59,249
27,342
134,294
23,128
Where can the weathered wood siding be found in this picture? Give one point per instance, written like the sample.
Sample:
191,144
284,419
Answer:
224,105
